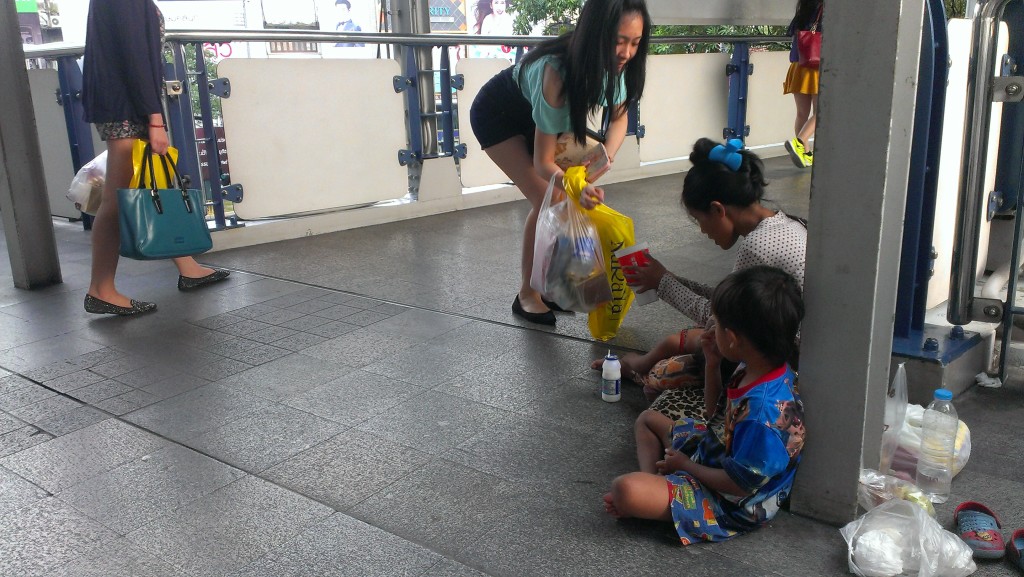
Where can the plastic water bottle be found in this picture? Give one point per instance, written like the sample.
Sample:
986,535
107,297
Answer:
938,441
611,378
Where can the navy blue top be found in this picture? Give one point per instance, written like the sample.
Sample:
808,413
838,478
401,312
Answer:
123,65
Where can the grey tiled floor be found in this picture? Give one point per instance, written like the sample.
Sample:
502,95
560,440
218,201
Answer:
363,403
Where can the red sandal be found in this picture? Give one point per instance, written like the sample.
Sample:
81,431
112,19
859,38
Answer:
1015,549
980,528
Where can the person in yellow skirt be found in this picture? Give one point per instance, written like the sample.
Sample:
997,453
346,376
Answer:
802,83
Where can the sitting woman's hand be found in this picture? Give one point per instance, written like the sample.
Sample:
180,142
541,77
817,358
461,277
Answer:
591,196
644,277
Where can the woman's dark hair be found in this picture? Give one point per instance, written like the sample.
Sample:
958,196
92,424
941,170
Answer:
763,304
483,9
588,58
806,14
710,181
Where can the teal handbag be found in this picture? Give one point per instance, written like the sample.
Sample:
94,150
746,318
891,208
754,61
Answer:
162,223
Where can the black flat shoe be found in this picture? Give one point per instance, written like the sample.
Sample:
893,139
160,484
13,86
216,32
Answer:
547,318
553,306
186,283
96,306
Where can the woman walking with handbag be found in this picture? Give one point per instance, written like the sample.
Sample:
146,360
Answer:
802,79
519,114
122,96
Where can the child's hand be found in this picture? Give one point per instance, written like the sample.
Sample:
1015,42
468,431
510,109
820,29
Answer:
591,196
673,461
644,277
712,356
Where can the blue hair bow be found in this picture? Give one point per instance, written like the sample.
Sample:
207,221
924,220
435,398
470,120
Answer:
728,154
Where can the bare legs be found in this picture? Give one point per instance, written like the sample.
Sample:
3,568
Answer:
806,115
513,159
644,494
668,347
106,236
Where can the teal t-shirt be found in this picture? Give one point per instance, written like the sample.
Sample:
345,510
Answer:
551,120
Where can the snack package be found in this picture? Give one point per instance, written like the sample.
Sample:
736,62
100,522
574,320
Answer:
592,155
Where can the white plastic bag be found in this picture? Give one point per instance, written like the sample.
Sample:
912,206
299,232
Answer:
895,415
876,488
904,462
899,538
568,263
86,189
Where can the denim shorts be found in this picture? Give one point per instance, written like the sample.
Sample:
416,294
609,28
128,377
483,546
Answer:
500,111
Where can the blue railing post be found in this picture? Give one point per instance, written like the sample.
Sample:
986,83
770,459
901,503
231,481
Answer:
919,218
79,134
738,70
447,128
409,85
180,117
209,138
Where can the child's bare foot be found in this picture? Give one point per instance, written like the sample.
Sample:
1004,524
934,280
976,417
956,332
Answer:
609,506
629,363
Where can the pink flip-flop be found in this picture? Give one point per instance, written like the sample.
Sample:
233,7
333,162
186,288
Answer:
980,528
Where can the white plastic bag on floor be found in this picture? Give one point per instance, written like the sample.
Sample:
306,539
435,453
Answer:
895,416
899,538
904,461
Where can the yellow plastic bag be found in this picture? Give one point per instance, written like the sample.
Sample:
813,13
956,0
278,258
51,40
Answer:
142,180
616,231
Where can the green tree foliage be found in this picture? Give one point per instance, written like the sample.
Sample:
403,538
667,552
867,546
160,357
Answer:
193,89
956,8
559,16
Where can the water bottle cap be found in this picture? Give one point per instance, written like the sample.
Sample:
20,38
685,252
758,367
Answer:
611,356
943,394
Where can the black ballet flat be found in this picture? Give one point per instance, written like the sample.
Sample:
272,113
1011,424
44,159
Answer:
545,318
186,283
96,306
553,306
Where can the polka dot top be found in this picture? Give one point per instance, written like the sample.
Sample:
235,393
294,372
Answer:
777,241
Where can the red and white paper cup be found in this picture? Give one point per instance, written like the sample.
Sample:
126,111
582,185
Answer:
637,255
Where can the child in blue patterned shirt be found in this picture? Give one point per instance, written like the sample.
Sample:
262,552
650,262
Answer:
714,488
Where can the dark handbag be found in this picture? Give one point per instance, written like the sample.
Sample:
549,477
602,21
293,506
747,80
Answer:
161,223
808,45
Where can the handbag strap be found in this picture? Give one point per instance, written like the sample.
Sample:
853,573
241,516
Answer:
171,169
817,19
170,172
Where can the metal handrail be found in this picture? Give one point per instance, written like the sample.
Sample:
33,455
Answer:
60,49
963,306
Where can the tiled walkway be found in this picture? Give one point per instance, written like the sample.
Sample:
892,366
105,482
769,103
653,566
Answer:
363,403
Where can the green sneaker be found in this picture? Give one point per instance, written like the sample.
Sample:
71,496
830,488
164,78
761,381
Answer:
809,158
797,152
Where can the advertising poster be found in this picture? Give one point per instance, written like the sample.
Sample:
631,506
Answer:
448,16
490,18
349,16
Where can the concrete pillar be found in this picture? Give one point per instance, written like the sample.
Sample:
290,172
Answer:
23,201
870,57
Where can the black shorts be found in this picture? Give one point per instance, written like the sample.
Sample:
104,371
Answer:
500,111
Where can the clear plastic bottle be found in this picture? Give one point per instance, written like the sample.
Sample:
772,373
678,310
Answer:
938,441
611,378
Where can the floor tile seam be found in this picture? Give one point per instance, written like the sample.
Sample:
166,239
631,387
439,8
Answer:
421,308
161,436
410,538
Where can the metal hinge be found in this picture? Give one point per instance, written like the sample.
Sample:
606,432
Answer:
220,87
